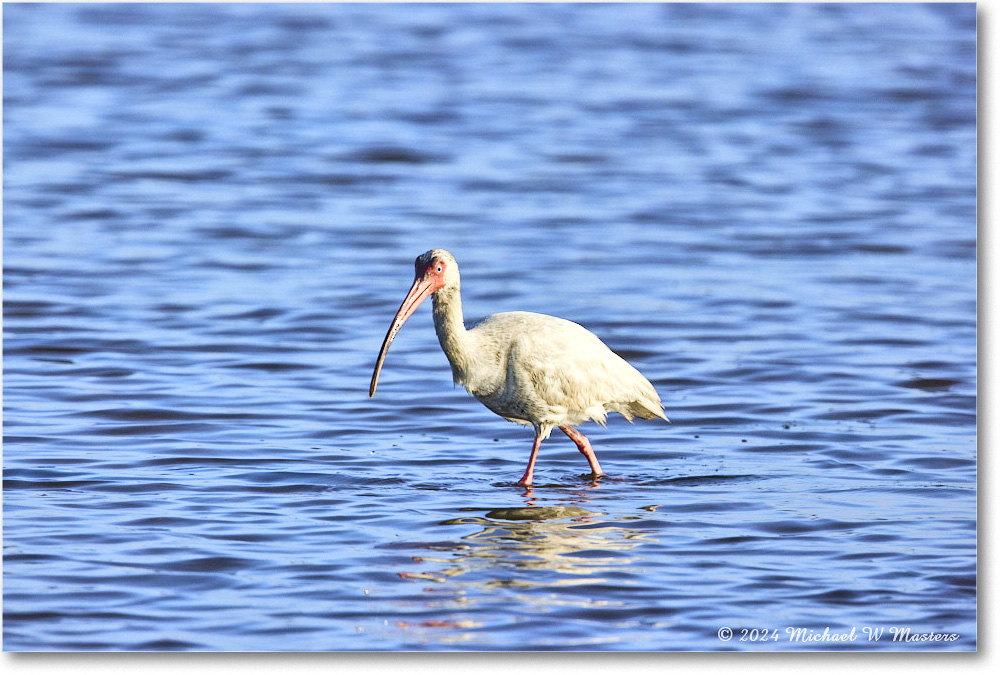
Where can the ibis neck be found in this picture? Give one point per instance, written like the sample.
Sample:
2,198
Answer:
450,327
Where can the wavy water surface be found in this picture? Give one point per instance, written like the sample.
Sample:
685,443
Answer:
210,216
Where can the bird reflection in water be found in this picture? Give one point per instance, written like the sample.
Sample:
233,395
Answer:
524,550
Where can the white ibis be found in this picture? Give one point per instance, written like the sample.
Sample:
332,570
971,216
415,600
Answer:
528,368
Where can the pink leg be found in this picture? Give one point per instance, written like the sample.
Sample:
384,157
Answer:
526,478
584,446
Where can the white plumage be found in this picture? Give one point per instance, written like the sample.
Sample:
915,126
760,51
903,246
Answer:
528,368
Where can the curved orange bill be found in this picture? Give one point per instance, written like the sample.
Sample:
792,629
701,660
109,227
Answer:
419,291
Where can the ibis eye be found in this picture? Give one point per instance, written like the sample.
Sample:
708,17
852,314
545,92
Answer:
440,268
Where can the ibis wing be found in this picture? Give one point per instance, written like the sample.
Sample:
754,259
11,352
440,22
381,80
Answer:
565,371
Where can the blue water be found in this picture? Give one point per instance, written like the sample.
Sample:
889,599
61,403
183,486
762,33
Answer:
211,214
